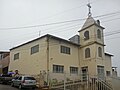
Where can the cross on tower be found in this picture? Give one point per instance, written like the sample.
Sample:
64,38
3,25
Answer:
89,7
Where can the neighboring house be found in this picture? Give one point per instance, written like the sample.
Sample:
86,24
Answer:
4,62
114,72
56,55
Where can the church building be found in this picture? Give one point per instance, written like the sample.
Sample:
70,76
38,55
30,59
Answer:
81,55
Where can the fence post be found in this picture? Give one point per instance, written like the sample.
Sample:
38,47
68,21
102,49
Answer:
64,80
48,78
87,81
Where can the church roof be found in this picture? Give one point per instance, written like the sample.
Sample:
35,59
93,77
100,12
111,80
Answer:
4,52
89,22
48,36
108,54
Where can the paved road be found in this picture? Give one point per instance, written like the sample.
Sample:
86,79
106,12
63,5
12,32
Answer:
8,87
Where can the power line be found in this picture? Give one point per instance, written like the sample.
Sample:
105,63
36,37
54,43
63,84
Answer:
107,14
115,32
112,38
110,20
72,27
68,28
105,21
65,24
75,25
48,24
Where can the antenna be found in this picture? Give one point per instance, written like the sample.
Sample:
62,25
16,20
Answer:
89,8
39,33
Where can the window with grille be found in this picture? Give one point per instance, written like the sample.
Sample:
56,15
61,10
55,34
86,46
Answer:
73,70
87,52
86,35
35,49
58,69
16,56
107,73
99,51
100,70
98,34
65,50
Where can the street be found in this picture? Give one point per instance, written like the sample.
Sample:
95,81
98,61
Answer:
8,87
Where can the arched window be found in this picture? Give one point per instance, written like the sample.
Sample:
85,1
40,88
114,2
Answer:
99,34
86,35
87,52
99,51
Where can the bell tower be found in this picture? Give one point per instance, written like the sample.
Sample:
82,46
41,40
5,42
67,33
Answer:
92,45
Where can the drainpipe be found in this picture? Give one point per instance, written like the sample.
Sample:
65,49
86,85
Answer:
79,70
48,60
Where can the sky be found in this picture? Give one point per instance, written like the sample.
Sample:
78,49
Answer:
24,20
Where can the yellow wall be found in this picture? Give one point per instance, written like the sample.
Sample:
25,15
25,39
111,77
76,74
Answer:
33,64
27,63
58,58
93,36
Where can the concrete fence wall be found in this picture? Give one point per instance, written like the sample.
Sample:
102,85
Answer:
116,83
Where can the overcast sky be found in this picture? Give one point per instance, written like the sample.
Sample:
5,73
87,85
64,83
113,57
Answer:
24,13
